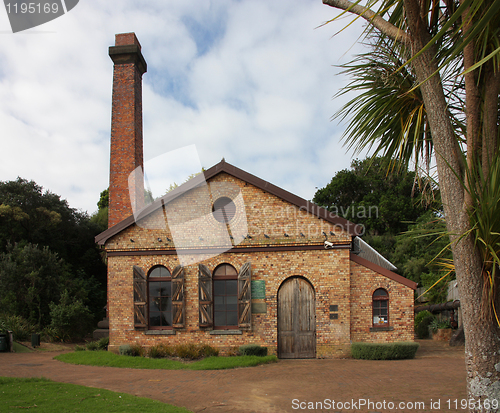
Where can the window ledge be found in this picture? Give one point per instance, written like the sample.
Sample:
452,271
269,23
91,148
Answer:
375,329
226,332
160,332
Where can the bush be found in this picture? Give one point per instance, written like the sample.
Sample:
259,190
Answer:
103,343
436,324
420,316
189,351
208,351
422,329
233,352
52,334
20,327
134,350
253,350
384,351
92,346
71,319
160,351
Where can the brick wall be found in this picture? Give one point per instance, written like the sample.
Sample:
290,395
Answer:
327,271
364,282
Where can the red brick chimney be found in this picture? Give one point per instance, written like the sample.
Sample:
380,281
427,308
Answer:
126,127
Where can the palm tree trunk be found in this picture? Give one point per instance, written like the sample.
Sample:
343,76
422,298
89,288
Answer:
482,336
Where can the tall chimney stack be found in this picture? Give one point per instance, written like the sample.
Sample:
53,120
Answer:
126,127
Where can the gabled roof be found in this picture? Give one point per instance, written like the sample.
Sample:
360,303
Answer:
383,271
226,167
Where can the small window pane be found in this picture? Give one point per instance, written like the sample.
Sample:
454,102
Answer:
219,287
153,306
165,317
164,303
154,289
232,318
231,287
154,319
220,318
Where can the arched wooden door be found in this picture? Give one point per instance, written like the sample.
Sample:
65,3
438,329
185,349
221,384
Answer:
296,319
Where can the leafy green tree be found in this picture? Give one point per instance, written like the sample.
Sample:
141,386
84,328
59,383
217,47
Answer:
375,194
418,254
30,278
29,214
70,319
46,247
100,218
451,50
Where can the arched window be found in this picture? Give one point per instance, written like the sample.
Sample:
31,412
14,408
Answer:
225,281
160,298
380,304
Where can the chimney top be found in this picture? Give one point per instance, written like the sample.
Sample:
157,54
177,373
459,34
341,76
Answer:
126,39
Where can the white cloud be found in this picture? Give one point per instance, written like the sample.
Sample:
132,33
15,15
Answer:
250,81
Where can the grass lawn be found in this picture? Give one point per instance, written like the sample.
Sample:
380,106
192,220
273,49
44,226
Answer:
19,348
109,359
46,396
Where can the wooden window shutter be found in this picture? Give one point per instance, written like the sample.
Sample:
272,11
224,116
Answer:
206,302
140,298
245,297
178,298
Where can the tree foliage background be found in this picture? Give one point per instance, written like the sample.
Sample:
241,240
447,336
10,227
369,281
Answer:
401,214
47,252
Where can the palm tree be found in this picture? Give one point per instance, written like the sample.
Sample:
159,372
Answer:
431,88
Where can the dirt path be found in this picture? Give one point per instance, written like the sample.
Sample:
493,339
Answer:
437,374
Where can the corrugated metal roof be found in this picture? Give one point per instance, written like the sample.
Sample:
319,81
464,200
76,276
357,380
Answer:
364,250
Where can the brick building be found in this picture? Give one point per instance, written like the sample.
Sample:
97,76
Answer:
228,258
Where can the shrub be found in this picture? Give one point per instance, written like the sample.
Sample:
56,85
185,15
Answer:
80,348
125,350
20,327
103,343
420,316
71,319
422,329
52,334
208,351
160,351
253,350
384,351
233,352
92,346
188,351
134,350
436,324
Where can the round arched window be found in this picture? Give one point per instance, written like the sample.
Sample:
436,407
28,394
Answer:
380,303
224,209
160,298
225,296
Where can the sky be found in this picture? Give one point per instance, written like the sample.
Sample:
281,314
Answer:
251,81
